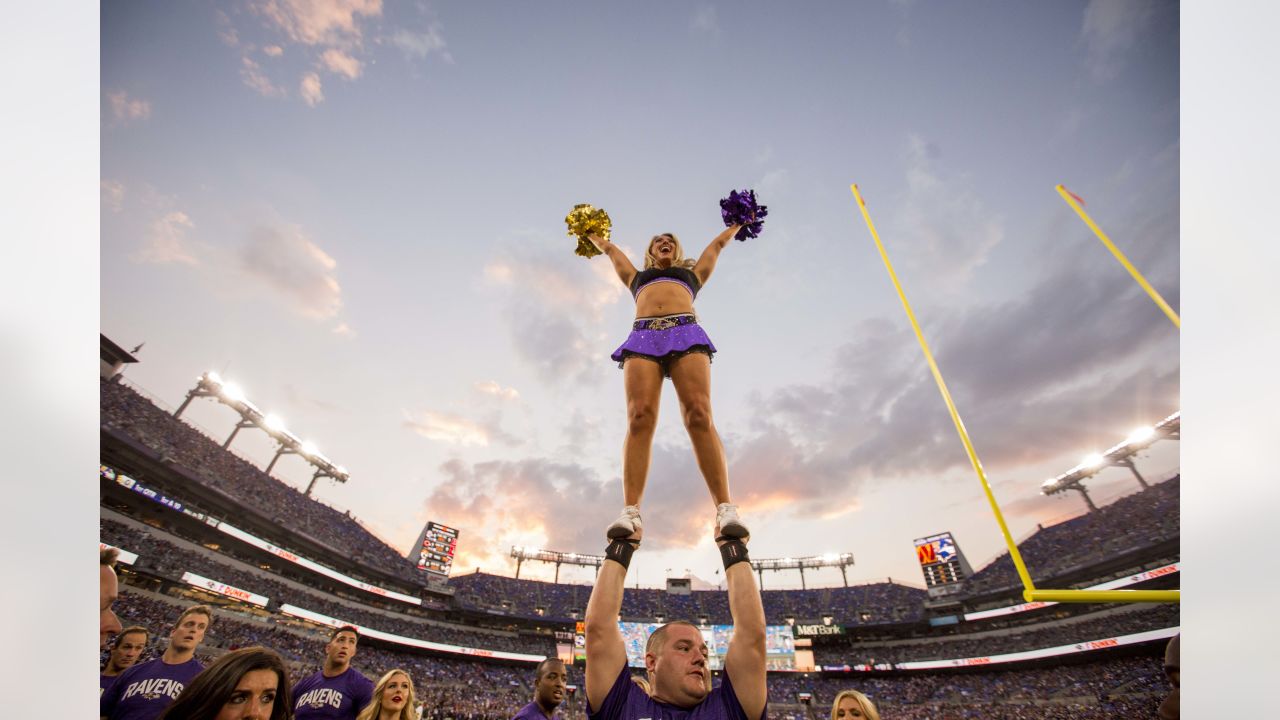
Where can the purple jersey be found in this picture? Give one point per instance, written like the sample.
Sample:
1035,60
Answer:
532,711
317,697
144,690
104,682
628,701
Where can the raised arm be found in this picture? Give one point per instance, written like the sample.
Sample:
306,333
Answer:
707,260
744,661
606,652
621,263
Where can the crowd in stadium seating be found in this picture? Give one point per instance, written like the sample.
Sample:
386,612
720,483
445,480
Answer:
859,604
1028,638
171,561
123,409
1135,521
478,690
975,695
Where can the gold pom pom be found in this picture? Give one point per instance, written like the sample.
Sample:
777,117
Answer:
584,220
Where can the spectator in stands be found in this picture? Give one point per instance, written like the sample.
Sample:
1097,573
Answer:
675,654
125,651
550,678
393,698
247,684
1172,705
853,704
337,690
108,589
143,691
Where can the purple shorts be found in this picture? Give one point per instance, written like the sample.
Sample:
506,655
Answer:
664,340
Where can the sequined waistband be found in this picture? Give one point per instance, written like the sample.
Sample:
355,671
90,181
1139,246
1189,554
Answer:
664,322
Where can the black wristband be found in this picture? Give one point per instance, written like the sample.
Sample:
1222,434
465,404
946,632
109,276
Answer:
620,551
733,552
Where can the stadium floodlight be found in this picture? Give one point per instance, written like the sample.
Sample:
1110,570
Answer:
232,392
1139,435
212,385
1049,483
522,553
1092,460
840,560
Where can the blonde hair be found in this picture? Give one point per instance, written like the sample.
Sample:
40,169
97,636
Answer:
644,684
678,261
864,703
373,710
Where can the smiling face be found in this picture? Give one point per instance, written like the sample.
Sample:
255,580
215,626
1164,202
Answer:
664,251
550,688
254,697
677,665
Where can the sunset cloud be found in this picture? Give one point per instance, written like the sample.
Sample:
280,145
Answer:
126,109
166,241
285,260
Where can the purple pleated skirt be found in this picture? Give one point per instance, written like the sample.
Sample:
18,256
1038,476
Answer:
665,338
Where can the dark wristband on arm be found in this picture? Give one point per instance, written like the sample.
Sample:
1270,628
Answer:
733,552
620,551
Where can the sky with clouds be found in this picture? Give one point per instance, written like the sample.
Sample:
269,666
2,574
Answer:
355,210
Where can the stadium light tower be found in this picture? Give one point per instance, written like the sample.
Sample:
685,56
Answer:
521,554
231,395
1120,455
840,560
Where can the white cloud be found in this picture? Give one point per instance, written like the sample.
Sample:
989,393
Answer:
555,307
252,75
343,329
226,31
318,22
452,429
284,259
422,44
273,51
491,387
166,241
340,63
942,220
310,89
112,195
1111,28
774,183
126,109
705,20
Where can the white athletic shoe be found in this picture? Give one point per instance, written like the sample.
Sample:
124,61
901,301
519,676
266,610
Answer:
729,523
626,524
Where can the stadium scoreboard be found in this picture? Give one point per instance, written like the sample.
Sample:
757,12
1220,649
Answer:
944,566
435,549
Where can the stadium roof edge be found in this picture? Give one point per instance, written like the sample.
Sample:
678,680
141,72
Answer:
112,352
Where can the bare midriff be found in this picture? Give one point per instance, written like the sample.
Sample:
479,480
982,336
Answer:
663,298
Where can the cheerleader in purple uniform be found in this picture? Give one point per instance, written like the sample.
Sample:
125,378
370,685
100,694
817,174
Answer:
667,341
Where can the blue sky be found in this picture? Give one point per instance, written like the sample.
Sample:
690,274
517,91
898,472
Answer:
355,210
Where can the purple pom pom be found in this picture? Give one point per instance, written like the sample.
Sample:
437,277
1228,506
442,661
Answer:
741,208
